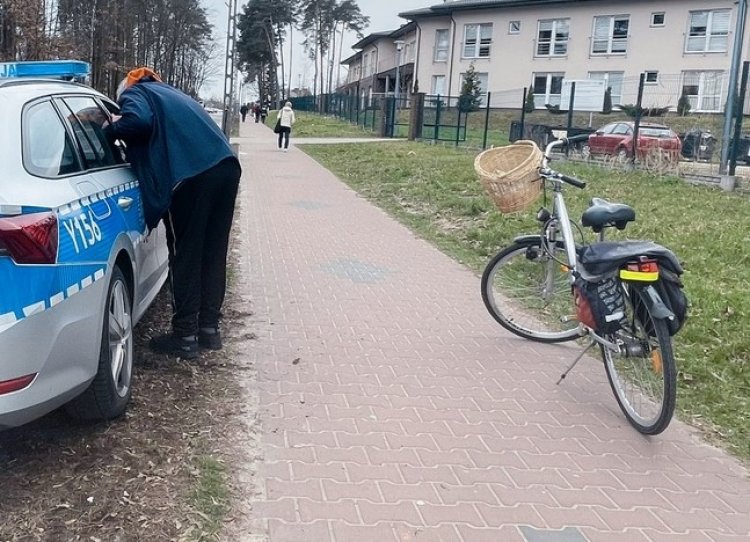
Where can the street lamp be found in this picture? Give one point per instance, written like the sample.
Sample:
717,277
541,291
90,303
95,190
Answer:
399,46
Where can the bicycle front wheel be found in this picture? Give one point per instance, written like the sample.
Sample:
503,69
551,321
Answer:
527,291
643,374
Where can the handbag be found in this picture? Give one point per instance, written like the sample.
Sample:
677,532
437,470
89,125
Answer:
277,128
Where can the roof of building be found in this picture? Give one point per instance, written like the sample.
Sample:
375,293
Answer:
375,36
411,26
462,5
355,56
370,38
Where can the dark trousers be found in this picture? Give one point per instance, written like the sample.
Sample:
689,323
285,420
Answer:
284,136
198,226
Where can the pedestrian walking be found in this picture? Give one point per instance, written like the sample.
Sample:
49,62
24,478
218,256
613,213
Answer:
243,111
188,176
263,112
285,119
256,111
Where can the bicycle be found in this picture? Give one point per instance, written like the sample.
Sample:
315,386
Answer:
624,296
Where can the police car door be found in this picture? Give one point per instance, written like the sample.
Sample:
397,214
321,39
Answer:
112,182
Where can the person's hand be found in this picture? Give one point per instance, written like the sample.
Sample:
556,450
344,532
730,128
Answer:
113,119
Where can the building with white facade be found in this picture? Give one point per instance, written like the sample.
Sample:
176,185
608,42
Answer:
683,46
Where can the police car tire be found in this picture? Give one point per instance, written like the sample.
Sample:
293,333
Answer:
101,401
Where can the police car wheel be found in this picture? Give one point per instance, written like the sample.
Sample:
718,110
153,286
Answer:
109,393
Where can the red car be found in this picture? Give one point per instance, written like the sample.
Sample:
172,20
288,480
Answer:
616,139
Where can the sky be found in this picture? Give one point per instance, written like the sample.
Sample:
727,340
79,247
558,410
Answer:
383,16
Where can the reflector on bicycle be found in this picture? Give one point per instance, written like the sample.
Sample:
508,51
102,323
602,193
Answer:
646,270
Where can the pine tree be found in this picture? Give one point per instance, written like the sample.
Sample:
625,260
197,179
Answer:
471,91
529,106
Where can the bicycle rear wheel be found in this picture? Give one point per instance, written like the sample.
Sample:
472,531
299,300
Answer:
643,374
528,292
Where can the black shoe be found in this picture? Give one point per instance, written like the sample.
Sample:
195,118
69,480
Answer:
182,347
210,337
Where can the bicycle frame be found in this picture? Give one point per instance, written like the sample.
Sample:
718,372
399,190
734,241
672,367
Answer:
560,213
560,219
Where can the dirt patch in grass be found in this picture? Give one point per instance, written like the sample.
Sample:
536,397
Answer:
162,472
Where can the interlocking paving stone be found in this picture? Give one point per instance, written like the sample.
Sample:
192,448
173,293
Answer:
569,534
394,408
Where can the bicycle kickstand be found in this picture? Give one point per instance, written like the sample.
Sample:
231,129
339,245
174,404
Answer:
575,362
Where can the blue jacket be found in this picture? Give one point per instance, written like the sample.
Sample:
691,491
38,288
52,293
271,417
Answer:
169,138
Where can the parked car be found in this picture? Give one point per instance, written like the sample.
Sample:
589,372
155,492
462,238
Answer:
616,139
78,267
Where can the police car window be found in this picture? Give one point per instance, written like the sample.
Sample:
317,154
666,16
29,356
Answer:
87,119
118,146
47,148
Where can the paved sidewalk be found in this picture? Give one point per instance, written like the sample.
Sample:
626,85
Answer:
393,408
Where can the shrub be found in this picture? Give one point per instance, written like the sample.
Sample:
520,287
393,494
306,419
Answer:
529,106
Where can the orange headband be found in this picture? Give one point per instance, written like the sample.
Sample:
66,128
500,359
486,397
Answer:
139,73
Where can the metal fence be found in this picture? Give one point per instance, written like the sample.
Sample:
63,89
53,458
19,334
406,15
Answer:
690,105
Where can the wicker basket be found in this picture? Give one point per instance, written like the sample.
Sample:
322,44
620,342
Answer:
510,175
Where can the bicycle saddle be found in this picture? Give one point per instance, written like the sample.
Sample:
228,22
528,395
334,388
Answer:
602,213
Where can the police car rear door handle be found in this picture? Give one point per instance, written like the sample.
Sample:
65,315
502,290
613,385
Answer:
125,203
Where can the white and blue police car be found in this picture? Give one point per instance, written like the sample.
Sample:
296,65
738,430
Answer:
78,267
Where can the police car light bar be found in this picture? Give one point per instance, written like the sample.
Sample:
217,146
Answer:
46,69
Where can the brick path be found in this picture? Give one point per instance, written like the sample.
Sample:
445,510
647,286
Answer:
393,408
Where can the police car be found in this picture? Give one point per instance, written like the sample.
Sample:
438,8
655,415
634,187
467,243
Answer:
78,267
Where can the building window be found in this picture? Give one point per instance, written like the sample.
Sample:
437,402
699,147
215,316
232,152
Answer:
442,43
373,62
612,80
411,47
477,40
547,88
514,27
438,85
610,35
657,18
703,90
652,77
552,38
708,31
366,64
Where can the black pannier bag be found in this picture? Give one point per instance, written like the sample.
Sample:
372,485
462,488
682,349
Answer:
606,256
671,291
599,305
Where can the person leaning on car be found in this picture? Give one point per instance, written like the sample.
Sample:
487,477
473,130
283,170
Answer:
188,176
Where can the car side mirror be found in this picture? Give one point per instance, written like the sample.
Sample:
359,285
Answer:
598,132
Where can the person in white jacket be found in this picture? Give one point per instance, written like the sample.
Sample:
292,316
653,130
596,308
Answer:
286,119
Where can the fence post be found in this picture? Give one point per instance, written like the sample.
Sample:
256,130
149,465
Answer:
416,116
738,122
486,120
383,131
458,122
571,104
638,112
523,112
437,120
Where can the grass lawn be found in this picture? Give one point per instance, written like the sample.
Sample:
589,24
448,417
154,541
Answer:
433,190
315,125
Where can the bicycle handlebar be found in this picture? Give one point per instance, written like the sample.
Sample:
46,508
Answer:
552,174
556,175
578,183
